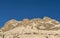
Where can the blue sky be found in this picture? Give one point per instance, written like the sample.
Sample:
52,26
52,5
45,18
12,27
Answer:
19,9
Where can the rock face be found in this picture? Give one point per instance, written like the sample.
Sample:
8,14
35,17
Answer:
34,28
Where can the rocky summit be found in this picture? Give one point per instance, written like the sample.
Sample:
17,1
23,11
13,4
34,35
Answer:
31,28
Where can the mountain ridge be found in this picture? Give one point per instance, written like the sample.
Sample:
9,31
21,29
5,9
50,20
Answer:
45,21
31,28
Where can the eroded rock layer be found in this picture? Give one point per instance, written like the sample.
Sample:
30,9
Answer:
34,28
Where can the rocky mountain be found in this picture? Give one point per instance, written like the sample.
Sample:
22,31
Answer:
31,28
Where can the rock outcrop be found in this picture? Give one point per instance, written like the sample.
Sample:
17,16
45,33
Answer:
34,28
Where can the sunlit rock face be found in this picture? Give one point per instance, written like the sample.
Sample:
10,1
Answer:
34,28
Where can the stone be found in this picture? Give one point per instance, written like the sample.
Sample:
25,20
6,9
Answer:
34,28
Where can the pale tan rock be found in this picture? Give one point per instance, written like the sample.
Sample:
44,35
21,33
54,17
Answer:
34,28
9,25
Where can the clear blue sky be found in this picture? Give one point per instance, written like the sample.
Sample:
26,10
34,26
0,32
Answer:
19,9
